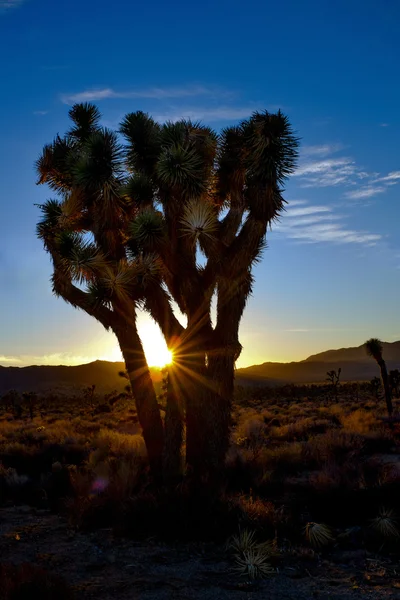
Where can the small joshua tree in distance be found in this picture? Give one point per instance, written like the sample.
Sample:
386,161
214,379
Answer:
334,379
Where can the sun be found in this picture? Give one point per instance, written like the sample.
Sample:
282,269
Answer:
155,348
159,357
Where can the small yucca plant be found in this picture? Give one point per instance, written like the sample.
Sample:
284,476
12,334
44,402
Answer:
318,534
385,524
251,558
242,542
253,564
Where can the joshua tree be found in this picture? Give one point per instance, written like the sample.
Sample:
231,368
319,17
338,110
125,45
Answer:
376,385
30,399
394,381
133,223
88,394
374,348
334,379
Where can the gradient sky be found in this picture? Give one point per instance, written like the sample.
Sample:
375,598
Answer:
330,276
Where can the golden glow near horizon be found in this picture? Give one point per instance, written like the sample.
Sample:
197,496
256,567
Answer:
258,347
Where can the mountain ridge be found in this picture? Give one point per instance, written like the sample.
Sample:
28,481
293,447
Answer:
64,379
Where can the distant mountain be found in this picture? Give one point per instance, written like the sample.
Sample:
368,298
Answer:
67,380
354,362
391,352
355,365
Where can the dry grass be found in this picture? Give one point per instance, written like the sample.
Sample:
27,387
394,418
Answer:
291,448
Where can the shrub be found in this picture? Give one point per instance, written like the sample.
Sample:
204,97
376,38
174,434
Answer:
360,421
318,534
120,444
332,447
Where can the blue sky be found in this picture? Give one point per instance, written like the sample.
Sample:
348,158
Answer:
330,276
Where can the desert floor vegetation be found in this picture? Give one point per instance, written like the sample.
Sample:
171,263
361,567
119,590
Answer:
308,478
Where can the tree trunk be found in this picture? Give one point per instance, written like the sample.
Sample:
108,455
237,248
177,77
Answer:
221,369
173,428
386,386
232,296
194,386
144,395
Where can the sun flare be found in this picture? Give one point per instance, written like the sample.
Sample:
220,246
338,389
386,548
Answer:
154,346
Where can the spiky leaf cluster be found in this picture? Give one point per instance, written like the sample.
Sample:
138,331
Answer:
385,524
251,559
318,534
135,207
374,348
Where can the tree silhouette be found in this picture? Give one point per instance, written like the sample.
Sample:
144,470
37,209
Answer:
177,213
89,394
394,381
374,348
376,385
30,399
334,379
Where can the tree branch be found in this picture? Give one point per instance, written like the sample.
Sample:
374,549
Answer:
246,246
231,222
157,303
62,286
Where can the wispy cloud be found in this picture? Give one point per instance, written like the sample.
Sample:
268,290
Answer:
40,113
157,93
48,359
319,224
209,114
365,192
322,150
318,168
390,179
319,329
12,360
306,210
220,113
326,172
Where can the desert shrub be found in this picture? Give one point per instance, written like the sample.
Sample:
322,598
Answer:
260,515
78,503
331,447
26,581
101,490
251,434
360,421
120,444
301,430
17,449
284,459
334,477
318,535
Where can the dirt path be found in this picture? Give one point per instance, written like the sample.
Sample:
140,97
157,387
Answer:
102,567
